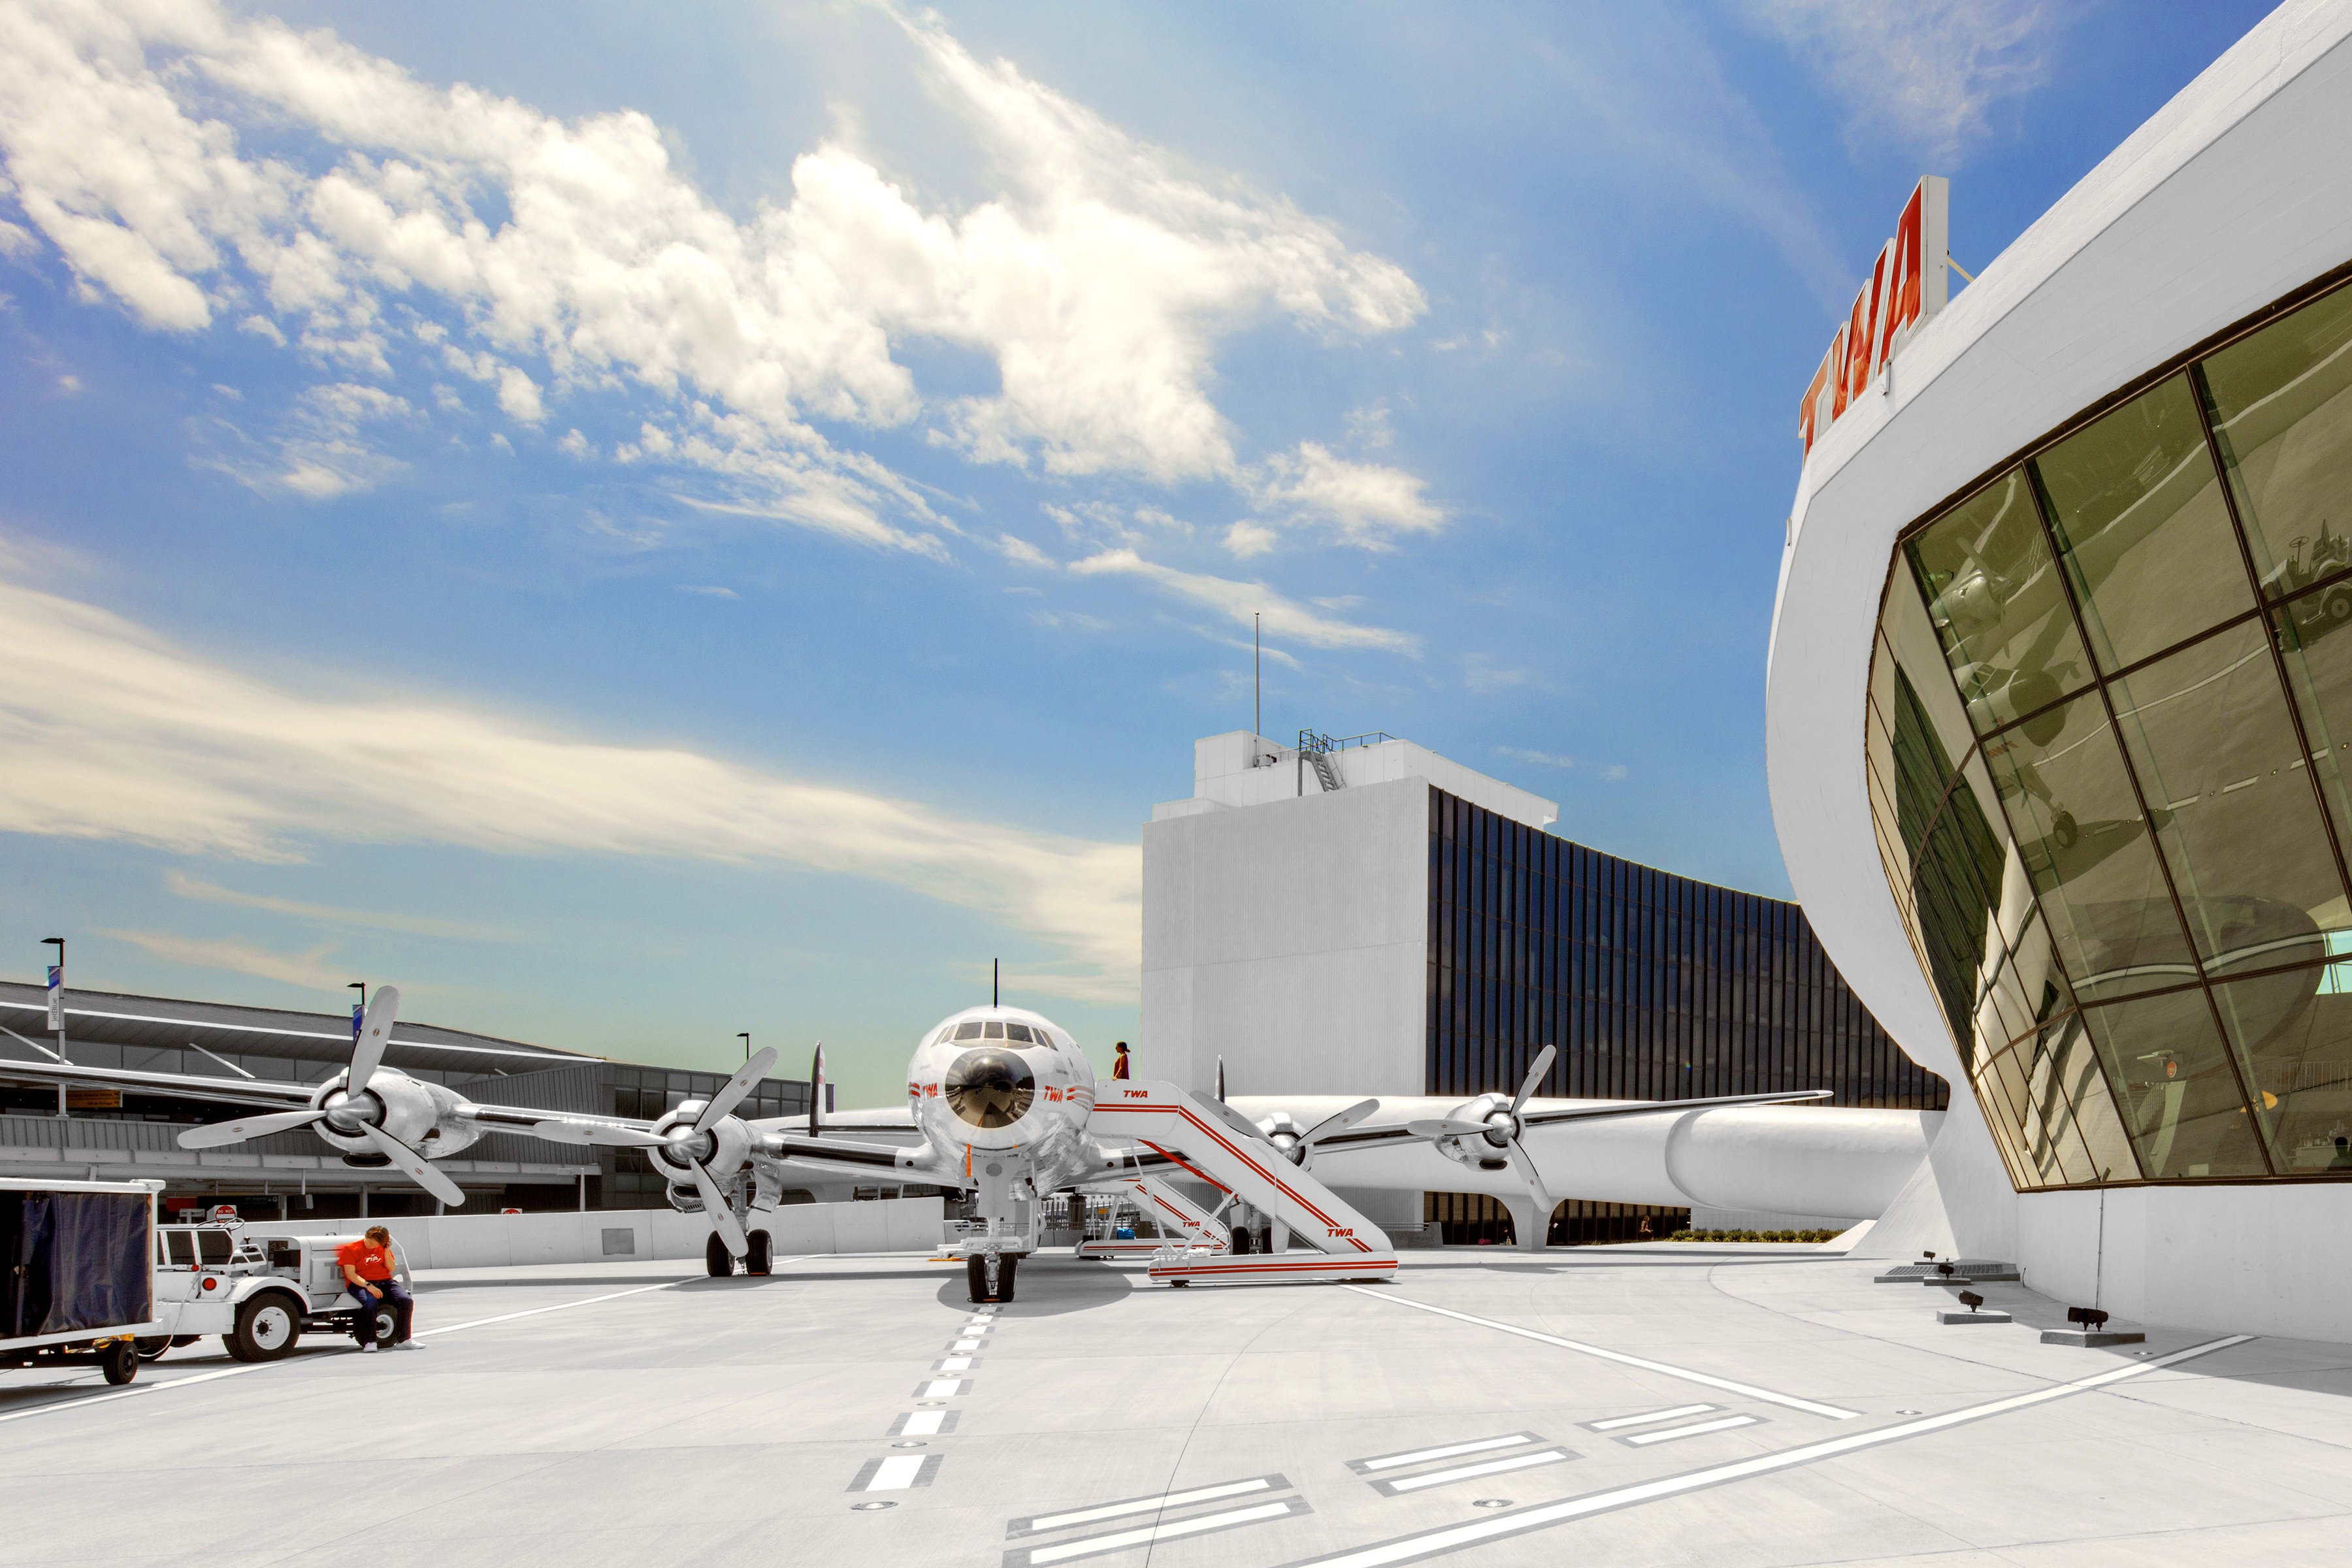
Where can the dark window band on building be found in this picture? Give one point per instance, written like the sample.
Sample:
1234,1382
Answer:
1653,986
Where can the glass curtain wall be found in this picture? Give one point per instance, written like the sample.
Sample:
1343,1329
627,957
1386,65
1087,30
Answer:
2107,722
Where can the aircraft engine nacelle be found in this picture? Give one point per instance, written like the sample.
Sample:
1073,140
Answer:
722,1151
1488,1151
420,1115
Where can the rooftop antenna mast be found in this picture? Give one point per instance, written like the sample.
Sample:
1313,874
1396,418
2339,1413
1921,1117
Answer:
1257,681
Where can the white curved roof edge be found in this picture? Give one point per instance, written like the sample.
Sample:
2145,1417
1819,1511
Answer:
2234,194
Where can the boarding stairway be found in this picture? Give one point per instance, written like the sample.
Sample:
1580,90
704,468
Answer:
1221,1147
1174,1216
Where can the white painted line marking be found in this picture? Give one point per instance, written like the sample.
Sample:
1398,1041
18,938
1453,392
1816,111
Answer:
1199,1524
1451,1451
135,1391
943,1388
559,1307
1519,1522
965,1346
1679,1412
1746,1391
955,1363
1471,1472
923,1424
1043,1522
896,1473
1695,1429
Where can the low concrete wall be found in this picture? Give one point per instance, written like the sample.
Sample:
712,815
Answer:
599,1235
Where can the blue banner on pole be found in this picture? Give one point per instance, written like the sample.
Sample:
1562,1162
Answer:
357,1012
57,996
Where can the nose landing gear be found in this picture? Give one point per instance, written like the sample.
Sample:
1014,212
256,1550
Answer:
989,1275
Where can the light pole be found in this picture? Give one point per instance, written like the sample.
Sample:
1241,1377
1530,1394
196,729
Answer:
359,1012
746,1039
58,1008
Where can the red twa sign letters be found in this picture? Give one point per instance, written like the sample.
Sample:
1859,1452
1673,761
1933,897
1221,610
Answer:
1905,288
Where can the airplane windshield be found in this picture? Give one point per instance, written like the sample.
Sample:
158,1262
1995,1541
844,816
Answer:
968,1030
1017,1032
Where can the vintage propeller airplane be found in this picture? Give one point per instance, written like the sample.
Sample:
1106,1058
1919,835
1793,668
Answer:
1006,1108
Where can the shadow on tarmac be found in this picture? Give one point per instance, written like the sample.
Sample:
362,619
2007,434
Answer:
1049,1284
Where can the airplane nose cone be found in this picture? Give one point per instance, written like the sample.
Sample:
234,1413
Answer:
990,1089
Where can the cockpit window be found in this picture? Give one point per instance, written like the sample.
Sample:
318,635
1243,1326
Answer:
968,1030
995,1030
1017,1032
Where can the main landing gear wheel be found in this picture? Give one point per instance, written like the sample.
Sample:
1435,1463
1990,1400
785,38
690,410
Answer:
266,1327
762,1256
717,1258
119,1362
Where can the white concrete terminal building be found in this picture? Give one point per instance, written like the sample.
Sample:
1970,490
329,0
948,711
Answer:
2059,715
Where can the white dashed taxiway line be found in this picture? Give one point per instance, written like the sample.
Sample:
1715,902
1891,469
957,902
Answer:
1676,1414
1695,1429
1519,1522
1745,1389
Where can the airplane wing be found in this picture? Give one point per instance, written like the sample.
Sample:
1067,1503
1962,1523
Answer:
228,1091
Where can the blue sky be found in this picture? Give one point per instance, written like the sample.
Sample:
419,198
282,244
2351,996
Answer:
638,530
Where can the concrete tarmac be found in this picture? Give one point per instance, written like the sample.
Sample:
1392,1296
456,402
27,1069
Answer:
1663,1403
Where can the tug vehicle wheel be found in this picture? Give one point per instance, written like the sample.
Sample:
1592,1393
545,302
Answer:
266,1327
119,1362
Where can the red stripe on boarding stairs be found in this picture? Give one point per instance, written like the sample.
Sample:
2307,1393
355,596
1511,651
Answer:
1171,1211
1198,1135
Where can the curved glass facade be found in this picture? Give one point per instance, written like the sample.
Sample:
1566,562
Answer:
2109,718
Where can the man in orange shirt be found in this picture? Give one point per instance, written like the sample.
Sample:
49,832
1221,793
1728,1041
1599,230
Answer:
367,1275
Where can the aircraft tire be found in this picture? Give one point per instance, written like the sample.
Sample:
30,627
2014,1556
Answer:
975,1274
761,1260
717,1258
1004,1276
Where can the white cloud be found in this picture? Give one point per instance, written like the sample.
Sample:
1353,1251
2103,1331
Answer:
310,969
1101,279
115,734
180,885
1240,601
1481,675
1023,551
708,591
1245,539
575,445
1366,504
1925,72
1614,773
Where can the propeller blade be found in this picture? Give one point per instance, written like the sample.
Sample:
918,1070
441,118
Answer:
246,1127
1339,1123
375,1033
1446,1128
747,1079
1524,1163
598,1133
816,1089
1536,1070
412,1163
722,1217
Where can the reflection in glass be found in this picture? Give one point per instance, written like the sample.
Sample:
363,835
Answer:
1998,608
2084,845
2139,516
2215,752
2181,1105
2295,1031
2282,409
2319,674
